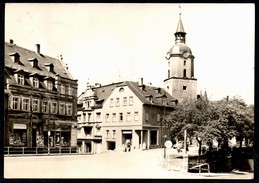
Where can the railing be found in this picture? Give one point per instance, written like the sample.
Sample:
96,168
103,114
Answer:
12,151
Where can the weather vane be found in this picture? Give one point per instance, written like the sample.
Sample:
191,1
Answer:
180,12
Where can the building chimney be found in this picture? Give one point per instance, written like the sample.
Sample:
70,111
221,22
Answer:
11,41
37,46
141,82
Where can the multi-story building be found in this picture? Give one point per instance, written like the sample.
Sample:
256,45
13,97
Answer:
130,111
40,99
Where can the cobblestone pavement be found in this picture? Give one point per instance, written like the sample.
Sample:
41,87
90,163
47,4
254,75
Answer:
137,164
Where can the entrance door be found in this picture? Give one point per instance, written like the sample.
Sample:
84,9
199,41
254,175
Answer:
34,138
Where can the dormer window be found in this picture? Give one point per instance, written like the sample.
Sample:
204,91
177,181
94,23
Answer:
34,62
35,82
50,67
15,57
62,89
69,91
49,85
19,78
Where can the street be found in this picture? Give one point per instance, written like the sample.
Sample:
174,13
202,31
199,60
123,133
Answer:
137,164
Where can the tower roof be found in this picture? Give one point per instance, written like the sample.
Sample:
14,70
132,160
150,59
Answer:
180,25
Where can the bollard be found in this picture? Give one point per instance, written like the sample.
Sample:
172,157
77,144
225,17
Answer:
23,151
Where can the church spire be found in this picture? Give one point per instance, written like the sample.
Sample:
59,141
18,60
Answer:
180,34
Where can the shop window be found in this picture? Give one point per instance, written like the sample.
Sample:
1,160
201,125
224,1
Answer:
136,116
121,117
65,139
45,106
153,137
35,105
20,137
54,107
125,101
62,108
26,104
15,103
69,109
131,100
128,116
35,82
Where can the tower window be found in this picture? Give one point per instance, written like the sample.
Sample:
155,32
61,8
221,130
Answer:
184,88
184,73
168,73
184,62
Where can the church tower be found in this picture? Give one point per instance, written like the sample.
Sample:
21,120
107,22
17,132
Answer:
180,81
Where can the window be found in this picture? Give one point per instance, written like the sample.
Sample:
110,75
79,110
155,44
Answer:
117,102
26,104
62,89
107,134
121,117
130,100
168,72
111,102
184,73
125,101
35,105
184,62
20,79
163,101
135,116
184,88
128,116
153,137
107,118
35,82
147,117
79,118
45,108
69,91
53,107
98,117
121,90
84,117
113,133
16,103
62,108
49,85
113,117
69,109
89,117
158,117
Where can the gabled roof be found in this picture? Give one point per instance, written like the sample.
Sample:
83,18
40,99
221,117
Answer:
26,55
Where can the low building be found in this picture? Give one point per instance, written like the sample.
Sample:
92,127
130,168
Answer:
124,112
40,99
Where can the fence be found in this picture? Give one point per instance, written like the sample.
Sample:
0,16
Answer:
12,151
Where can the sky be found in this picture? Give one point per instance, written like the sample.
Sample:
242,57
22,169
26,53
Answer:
108,43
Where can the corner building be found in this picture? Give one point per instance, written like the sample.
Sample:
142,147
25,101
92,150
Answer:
40,97
180,81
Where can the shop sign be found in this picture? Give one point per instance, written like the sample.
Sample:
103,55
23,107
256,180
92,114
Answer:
19,126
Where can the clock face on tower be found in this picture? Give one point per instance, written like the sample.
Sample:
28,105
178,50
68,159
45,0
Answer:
185,54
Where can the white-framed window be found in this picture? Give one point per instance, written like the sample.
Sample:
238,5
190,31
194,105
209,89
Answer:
158,117
20,79
45,106
98,117
113,117
35,82
131,100
111,102
62,109
53,107
128,116
15,103
107,134
26,104
107,118
117,102
62,89
69,90
125,101
136,116
69,110
89,117
120,116
35,105
49,85
113,133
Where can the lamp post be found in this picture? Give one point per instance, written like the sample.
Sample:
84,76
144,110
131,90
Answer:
48,142
165,136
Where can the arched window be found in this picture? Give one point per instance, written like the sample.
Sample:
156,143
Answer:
184,73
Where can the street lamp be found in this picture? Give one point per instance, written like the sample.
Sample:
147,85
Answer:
48,141
165,136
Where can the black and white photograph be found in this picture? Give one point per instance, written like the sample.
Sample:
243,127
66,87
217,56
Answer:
129,91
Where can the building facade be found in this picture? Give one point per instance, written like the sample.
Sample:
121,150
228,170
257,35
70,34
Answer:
128,112
180,81
40,99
